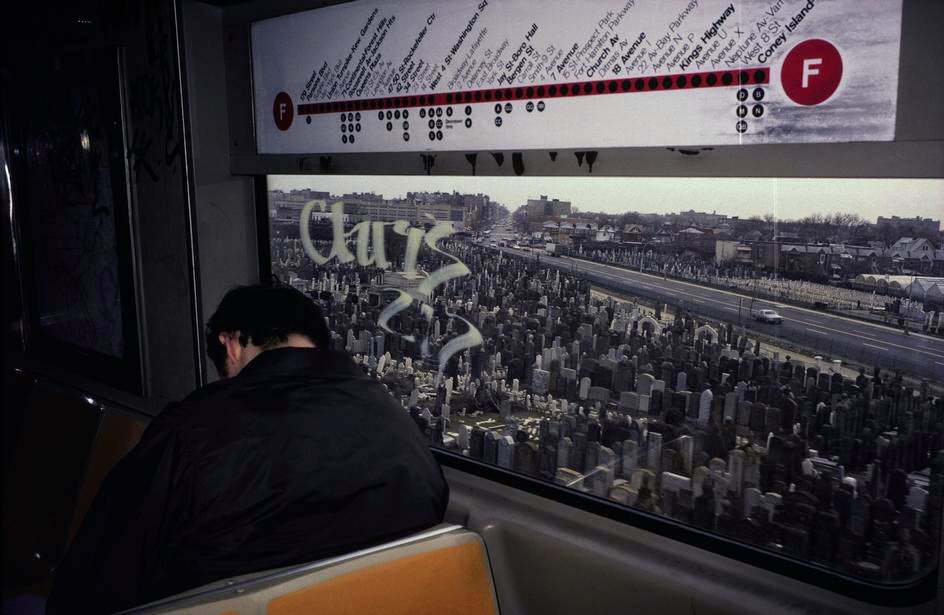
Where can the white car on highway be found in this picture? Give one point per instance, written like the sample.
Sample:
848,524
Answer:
768,316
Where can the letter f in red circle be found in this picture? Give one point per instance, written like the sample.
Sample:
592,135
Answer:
283,111
811,72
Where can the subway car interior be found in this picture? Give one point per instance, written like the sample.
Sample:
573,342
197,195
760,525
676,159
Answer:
659,286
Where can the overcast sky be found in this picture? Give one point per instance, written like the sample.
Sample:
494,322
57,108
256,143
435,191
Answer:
745,197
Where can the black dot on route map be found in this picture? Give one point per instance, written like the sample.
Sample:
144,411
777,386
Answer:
552,90
430,112
681,81
507,107
432,123
448,111
712,79
343,117
380,115
396,114
529,107
406,125
497,107
308,120
468,122
343,127
727,78
498,120
478,96
350,127
357,116
389,114
389,125
653,83
432,135
696,80
406,136
758,94
600,87
438,111
357,127
742,110
351,138
540,90
741,126
422,112
540,105
438,123
611,86
742,94
343,138
439,135
468,110
757,110
406,114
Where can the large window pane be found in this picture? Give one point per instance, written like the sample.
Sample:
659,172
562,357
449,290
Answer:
762,359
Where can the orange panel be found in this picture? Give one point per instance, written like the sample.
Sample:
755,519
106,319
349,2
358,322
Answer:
455,580
117,435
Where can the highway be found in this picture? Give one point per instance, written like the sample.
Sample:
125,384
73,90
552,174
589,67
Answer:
832,335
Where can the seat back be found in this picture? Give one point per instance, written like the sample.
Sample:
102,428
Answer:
117,435
42,481
443,570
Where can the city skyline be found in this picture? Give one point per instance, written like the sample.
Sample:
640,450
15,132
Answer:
785,198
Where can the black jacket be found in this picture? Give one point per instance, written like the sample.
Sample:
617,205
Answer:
299,457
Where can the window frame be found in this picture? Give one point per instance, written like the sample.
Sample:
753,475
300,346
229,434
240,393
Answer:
906,594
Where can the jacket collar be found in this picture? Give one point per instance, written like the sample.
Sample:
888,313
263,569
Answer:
313,362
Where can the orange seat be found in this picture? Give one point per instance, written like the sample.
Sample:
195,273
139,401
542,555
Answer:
449,580
442,570
117,434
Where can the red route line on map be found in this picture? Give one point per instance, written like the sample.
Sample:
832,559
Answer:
658,83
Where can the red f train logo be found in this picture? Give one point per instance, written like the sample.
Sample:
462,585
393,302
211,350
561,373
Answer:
811,72
283,111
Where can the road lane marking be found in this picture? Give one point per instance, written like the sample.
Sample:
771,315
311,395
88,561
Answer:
874,346
850,334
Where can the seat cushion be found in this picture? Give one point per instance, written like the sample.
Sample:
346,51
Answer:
454,580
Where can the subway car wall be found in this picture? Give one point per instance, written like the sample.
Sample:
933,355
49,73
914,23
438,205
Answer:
671,324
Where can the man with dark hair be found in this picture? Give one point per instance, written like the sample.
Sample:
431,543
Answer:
295,455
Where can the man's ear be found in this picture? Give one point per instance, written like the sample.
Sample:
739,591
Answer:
234,350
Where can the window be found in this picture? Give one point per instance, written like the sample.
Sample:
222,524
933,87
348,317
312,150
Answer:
72,212
733,369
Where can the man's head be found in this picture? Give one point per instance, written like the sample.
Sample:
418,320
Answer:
252,319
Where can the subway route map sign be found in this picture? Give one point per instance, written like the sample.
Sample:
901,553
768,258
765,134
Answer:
371,76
